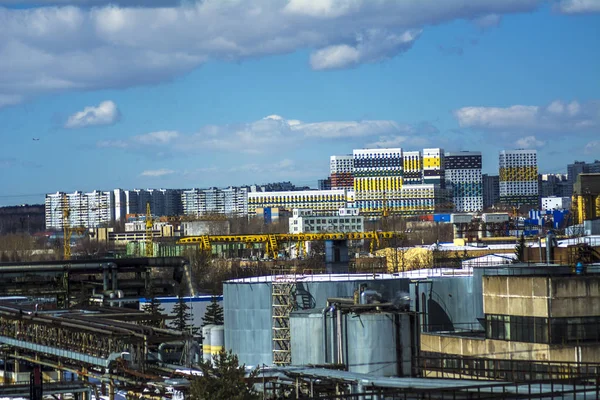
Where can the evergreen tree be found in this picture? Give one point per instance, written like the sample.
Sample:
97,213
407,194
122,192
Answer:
183,317
153,308
224,378
520,249
214,313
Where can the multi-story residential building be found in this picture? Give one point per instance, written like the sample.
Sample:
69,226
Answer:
341,171
433,166
412,173
324,184
491,190
378,179
232,201
307,221
88,210
322,201
580,167
235,201
464,179
554,185
518,178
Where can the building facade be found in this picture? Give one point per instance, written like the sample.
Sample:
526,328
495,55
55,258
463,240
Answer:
307,221
491,190
378,177
322,201
464,180
232,201
580,167
433,167
88,210
518,178
555,203
341,172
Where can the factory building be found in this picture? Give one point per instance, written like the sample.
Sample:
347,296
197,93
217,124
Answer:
518,178
464,180
586,198
322,201
307,221
580,167
283,320
537,322
341,170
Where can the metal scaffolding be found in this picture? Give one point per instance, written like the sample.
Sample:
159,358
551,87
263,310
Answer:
283,291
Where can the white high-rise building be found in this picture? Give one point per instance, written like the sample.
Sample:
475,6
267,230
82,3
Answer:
464,179
518,178
88,210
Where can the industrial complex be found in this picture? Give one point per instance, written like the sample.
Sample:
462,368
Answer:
395,282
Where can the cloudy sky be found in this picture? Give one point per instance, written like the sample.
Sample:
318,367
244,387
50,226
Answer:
165,93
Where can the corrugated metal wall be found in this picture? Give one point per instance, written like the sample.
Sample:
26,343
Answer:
247,311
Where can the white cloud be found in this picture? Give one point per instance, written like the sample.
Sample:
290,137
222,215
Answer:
157,173
374,46
592,147
106,113
579,6
529,142
558,116
266,134
109,46
156,138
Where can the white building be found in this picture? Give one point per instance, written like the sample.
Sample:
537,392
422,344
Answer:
556,203
518,177
463,177
322,201
307,221
232,201
89,210
341,171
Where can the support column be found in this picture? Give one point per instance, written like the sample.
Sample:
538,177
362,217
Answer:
111,390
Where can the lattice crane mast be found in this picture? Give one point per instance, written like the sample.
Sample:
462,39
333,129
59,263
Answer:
149,223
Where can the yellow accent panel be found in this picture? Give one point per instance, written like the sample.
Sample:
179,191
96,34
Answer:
432,162
518,174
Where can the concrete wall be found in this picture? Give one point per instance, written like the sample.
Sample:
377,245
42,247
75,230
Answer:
516,295
575,296
503,349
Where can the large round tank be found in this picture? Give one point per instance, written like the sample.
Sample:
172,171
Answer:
206,343
217,335
307,337
372,344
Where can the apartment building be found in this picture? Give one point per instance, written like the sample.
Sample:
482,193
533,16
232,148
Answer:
341,171
89,210
518,173
464,180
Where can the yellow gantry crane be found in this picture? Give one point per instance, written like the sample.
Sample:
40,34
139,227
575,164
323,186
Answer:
149,222
272,241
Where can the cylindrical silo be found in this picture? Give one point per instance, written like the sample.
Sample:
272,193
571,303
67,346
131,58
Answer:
308,340
206,344
217,336
372,345
597,214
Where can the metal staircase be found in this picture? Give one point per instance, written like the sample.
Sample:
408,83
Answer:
283,291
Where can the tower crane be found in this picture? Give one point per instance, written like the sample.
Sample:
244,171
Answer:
149,244
67,228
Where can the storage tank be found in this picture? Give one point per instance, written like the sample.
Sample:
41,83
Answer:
307,336
372,345
217,335
206,344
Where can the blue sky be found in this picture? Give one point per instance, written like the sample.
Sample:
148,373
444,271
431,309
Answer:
141,94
